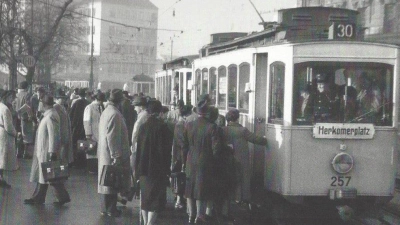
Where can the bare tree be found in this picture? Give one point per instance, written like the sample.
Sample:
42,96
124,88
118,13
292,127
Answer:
27,31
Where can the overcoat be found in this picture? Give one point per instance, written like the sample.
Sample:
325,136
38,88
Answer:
91,120
130,115
113,143
141,118
26,118
48,140
8,159
202,141
178,145
76,116
65,131
239,136
152,151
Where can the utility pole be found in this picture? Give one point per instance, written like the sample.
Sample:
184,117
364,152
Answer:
172,46
91,52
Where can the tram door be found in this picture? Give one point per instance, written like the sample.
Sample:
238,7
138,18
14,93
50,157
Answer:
260,120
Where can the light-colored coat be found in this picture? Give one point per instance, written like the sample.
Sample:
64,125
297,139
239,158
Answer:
48,140
8,159
91,120
66,151
239,137
141,119
113,143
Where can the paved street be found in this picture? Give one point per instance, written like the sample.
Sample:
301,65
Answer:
83,209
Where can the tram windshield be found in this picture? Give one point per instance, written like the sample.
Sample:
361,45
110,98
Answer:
343,92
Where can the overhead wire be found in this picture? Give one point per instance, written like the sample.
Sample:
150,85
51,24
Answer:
110,21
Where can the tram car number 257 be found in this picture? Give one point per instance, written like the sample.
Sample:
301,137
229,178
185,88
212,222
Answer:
340,181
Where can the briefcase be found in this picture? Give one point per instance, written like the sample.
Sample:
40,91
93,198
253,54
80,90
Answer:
178,182
114,177
87,146
55,171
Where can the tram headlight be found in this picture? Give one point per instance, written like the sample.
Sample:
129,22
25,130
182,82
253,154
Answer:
342,163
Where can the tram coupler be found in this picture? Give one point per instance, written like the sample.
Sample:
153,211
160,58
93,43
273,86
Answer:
345,212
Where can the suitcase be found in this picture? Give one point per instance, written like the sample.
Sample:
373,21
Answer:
55,171
178,182
114,176
87,146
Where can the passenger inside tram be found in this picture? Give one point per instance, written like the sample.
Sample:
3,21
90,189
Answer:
343,93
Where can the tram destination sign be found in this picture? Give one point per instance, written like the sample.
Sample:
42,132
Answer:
344,130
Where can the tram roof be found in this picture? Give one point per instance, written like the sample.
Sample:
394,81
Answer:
142,78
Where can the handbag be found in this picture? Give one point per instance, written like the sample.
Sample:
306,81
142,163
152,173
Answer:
178,182
55,171
87,146
114,177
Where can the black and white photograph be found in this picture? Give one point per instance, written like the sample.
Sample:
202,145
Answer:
175,112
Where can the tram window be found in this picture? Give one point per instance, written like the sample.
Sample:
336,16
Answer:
204,82
145,88
244,77
276,95
222,87
181,74
213,85
232,86
356,93
198,82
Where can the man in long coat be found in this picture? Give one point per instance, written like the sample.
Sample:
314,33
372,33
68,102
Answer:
129,113
91,120
113,148
25,120
47,147
65,127
78,131
202,142
7,140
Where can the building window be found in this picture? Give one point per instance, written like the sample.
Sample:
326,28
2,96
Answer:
222,85
276,93
232,86
244,77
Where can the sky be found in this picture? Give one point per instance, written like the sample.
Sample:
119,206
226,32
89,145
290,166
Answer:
200,18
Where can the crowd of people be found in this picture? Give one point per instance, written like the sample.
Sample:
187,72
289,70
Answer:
139,135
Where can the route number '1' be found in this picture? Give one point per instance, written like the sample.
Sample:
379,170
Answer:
341,31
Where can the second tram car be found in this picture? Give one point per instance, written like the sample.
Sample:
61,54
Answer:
326,100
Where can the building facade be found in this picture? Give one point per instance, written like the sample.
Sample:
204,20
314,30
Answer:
381,18
124,38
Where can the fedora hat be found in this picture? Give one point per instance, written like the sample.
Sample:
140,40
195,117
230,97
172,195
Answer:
139,101
116,95
47,100
202,107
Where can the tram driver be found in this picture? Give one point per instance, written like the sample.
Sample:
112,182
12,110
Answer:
369,99
325,101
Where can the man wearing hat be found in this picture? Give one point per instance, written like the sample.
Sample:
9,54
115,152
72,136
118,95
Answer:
25,123
65,126
140,104
113,149
91,119
326,102
202,140
78,130
47,148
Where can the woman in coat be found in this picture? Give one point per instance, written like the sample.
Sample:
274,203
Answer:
113,148
152,163
202,142
8,133
238,137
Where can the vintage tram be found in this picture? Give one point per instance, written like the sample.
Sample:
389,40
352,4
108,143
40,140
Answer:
326,100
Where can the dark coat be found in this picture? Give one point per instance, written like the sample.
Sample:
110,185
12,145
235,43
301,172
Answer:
202,143
76,116
152,152
130,115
